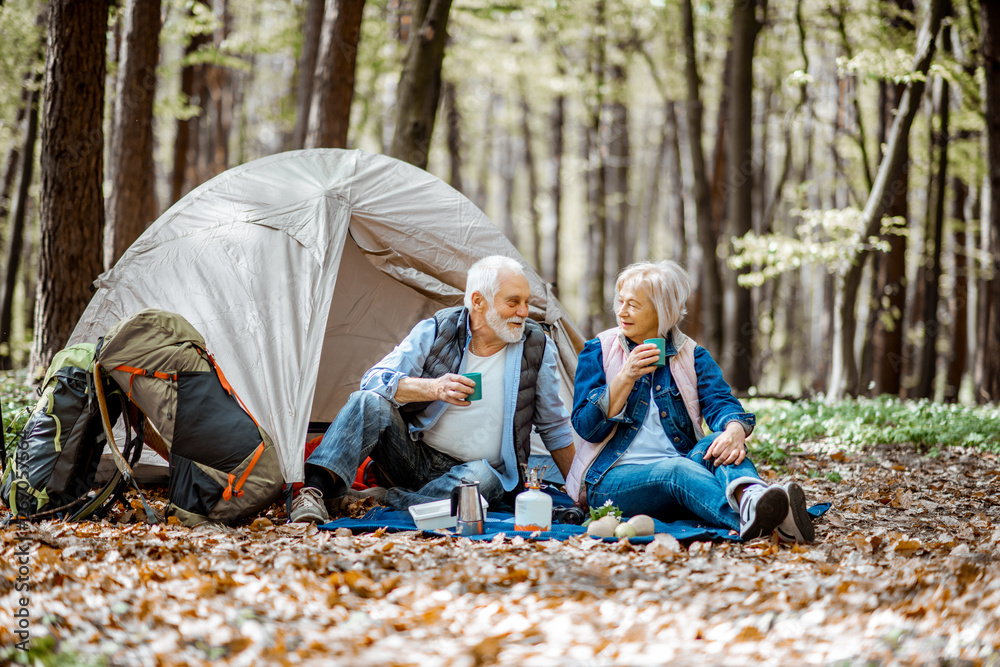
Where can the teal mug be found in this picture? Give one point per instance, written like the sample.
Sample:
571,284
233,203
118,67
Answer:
477,393
660,343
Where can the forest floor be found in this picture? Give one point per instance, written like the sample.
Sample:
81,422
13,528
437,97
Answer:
904,572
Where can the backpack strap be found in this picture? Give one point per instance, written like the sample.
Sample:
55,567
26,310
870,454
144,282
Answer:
133,371
115,487
237,490
123,466
235,486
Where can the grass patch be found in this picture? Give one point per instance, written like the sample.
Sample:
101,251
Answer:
855,423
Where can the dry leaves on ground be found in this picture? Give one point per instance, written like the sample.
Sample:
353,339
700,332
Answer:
904,572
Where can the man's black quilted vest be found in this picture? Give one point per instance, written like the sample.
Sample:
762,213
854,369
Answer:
446,356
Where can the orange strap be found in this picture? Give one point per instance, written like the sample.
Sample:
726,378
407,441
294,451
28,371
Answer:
229,388
227,494
133,371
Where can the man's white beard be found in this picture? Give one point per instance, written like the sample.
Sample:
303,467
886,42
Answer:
500,326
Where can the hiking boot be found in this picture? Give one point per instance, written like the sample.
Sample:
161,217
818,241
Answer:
797,525
762,509
307,507
376,493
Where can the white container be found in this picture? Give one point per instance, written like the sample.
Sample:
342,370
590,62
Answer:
437,514
533,511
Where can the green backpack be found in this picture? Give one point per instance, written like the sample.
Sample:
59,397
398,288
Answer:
58,450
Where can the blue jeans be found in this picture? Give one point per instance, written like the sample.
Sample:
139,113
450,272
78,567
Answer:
673,488
369,425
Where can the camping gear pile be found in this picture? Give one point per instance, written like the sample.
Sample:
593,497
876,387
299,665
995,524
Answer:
153,368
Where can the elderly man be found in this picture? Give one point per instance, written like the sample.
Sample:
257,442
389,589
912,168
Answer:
413,416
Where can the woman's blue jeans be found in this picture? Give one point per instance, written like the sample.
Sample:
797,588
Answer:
369,425
677,487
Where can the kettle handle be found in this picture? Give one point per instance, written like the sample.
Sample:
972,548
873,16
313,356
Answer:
454,500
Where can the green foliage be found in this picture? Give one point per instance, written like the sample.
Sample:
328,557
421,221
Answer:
894,65
831,238
44,652
606,509
856,423
15,398
19,57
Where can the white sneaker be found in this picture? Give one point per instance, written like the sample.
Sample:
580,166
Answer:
307,507
762,509
797,525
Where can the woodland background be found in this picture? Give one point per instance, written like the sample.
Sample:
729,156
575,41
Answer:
829,170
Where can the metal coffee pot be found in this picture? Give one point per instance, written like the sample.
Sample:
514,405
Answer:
466,507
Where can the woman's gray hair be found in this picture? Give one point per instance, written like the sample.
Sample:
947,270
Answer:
666,283
484,277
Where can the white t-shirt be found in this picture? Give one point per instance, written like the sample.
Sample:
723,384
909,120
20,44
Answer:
651,443
475,432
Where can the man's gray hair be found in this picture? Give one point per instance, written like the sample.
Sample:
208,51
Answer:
484,277
667,285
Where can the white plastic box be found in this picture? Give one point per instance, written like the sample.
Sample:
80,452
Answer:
437,514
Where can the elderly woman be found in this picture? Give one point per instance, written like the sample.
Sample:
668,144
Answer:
645,450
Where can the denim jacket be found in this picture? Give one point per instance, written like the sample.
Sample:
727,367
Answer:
591,400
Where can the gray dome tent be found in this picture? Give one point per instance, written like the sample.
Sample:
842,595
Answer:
303,269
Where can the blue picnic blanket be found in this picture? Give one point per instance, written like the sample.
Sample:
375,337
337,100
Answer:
503,522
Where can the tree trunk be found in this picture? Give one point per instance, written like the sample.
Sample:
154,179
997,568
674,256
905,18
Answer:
844,375
859,135
72,204
133,196
482,198
532,173
420,84
180,181
454,120
988,353
29,272
740,183
651,195
877,345
675,175
312,28
767,220
13,161
618,153
959,295
866,372
594,276
928,353
12,164
710,287
507,170
16,231
330,114
593,155
718,187
220,82
557,121
888,329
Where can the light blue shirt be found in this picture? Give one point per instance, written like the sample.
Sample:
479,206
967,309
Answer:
651,444
551,419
